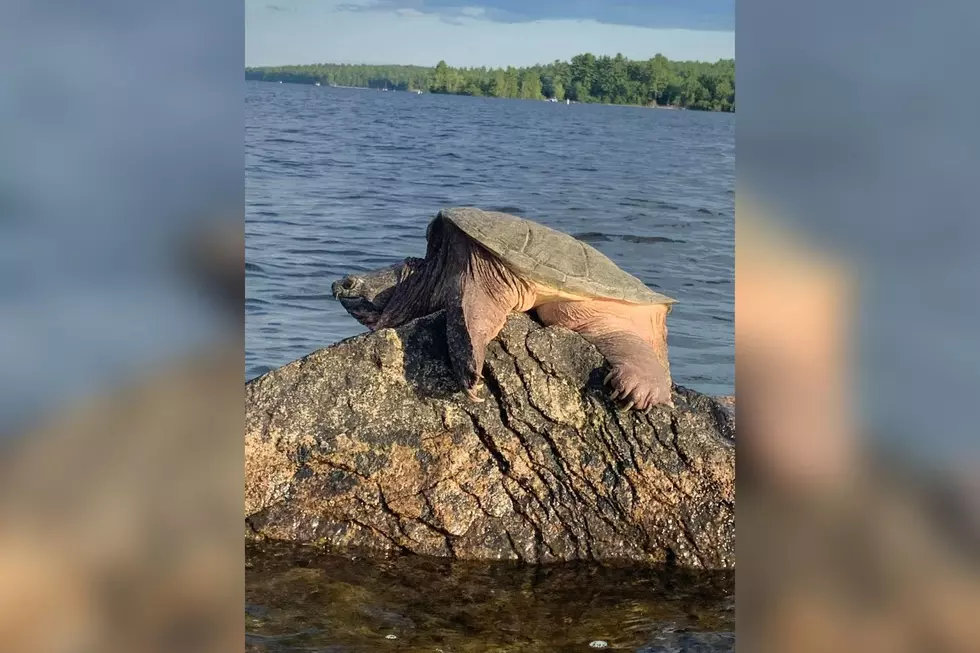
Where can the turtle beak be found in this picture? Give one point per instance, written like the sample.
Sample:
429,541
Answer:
348,292
345,287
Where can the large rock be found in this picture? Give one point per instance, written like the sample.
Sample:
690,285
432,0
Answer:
367,444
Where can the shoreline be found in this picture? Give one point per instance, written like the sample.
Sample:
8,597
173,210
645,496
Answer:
489,97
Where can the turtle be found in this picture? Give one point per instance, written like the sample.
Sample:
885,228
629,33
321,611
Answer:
482,265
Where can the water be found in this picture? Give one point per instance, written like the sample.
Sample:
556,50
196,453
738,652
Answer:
341,180
299,601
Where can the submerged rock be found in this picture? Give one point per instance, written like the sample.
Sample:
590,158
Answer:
368,444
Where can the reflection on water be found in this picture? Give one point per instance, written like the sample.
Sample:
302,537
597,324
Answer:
299,599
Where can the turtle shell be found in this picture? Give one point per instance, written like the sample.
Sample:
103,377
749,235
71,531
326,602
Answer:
550,257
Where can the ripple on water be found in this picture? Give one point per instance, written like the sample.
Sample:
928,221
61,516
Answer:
513,210
592,237
650,239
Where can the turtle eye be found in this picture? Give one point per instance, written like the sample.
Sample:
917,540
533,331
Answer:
347,283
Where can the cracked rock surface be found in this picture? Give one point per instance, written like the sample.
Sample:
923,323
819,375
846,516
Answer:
367,444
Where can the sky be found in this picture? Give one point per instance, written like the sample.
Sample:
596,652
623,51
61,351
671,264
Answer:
489,33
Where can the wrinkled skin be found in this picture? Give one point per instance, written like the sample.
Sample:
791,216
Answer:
365,296
478,291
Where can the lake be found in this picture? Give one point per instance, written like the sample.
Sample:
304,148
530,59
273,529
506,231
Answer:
340,180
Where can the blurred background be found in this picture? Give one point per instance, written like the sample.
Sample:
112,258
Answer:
857,327
121,286
122,134
121,326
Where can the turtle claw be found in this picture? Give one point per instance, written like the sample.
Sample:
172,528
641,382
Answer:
666,404
628,406
472,393
605,381
615,393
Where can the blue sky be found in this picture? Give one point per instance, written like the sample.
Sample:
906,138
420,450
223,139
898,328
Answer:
483,32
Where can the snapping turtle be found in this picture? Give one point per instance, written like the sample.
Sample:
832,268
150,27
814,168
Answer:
481,265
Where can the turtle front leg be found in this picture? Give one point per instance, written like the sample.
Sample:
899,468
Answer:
474,317
632,338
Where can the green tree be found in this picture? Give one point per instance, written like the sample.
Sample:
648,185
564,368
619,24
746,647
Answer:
602,81
692,92
512,82
530,86
621,88
579,93
562,72
471,86
583,74
547,85
444,80
557,90
725,94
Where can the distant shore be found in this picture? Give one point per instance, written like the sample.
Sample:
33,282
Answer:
413,92
586,79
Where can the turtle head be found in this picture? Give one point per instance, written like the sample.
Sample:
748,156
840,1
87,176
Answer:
366,295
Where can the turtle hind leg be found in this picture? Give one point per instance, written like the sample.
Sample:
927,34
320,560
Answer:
632,338
484,295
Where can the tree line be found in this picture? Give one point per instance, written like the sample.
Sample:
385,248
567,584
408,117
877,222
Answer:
586,78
